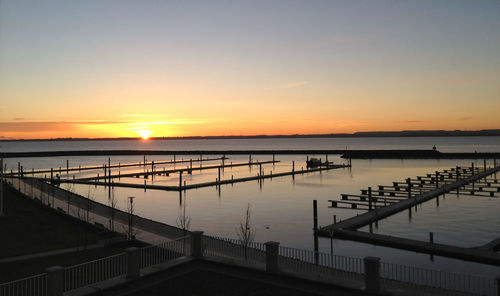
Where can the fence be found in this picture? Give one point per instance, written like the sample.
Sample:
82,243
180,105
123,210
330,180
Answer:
95,271
164,252
30,286
395,274
252,252
320,264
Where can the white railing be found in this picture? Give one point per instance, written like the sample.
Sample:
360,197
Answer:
84,274
30,286
164,252
391,274
251,252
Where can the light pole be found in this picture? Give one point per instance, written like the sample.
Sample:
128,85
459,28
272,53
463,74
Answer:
131,213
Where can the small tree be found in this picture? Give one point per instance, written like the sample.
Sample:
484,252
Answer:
183,222
112,205
70,188
246,233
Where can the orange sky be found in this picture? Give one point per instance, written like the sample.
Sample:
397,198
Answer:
112,69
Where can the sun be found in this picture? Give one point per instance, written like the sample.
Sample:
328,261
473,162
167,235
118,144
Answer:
145,134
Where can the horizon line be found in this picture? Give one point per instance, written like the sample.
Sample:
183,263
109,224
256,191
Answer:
402,133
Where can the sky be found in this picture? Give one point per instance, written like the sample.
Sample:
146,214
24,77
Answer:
118,68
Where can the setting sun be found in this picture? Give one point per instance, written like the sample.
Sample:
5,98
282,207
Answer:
145,134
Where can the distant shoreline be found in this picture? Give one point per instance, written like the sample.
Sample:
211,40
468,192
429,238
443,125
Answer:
438,133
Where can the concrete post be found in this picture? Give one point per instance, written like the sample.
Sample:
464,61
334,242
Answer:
55,280
372,274
133,262
497,280
272,254
196,244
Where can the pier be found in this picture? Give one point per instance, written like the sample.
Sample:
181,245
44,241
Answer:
389,200
218,182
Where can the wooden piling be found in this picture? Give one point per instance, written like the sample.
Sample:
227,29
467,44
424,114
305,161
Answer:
315,215
369,198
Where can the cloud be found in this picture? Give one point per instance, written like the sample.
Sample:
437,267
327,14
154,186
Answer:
293,84
410,121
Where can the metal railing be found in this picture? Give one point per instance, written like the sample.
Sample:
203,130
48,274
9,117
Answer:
320,264
395,274
164,252
30,286
251,252
84,274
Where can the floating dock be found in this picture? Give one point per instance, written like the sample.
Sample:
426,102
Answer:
432,186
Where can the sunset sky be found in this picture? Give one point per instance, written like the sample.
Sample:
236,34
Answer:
102,68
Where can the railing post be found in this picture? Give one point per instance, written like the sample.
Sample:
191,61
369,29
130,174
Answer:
272,253
497,281
55,280
196,246
133,263
372,274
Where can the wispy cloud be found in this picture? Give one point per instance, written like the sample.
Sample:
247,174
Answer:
293,84
410,121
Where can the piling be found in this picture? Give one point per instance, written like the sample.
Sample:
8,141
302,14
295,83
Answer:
218,174
431,237
484,165
67,165
408,181
180,179
369,198
293,166
437,179
315,215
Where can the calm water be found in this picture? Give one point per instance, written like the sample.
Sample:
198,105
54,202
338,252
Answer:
282,207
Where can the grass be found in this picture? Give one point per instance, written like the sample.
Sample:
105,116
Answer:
30,227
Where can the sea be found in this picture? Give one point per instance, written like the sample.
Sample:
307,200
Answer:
281,208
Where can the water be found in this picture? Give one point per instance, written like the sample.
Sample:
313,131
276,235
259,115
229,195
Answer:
281,208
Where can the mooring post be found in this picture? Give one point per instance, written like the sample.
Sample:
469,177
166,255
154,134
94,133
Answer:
260,169
484,165
437,179
174,158
67,165
431,237
472,168
51,175
152,166
249,158
218,174
293,166
408,181
273,157
191,163
315,215
458,172
327,158
369,198
180,179
144,158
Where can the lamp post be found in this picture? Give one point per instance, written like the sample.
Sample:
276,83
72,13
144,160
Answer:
131,214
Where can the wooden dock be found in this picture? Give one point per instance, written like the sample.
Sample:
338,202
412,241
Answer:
108,166
442,182
414,199
206,184
183,170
